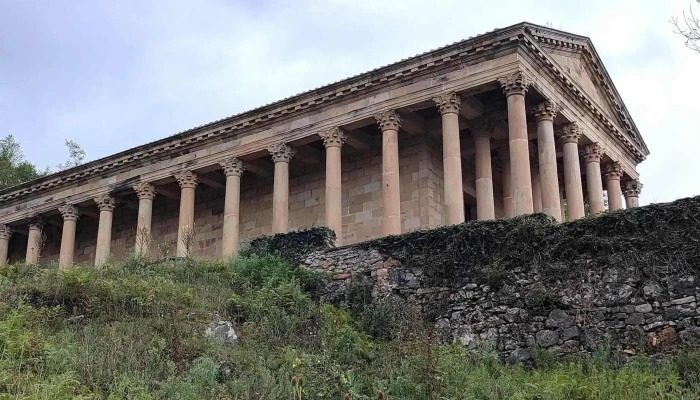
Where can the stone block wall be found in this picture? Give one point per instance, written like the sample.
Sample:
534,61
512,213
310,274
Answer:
420,169
628,279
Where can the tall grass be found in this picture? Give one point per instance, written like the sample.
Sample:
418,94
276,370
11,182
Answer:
135,331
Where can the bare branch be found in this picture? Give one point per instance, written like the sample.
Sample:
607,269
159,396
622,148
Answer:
689,28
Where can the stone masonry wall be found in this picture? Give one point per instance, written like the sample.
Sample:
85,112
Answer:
420,168
628,279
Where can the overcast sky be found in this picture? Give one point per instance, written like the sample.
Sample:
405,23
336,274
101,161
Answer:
118,74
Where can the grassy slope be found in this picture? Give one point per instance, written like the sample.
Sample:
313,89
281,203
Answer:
140,337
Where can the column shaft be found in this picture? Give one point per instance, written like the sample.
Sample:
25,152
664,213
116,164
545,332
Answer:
572,181
34,241
233,168
613,174
449,105
70,216
280,198
389,123
334,200
519,155
632,190
143,226
106,205
547,156
281,155
232,204
5,234
592,154
485,207
185,227
508,209
536,191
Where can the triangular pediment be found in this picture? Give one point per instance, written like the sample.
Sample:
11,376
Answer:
577,58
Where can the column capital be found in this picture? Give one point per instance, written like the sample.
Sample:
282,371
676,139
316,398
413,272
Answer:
388,119
69,212
570,133
545,111
186,179
448,103
36,222
281,152
592,153
515,83
332,137
5,232
632,188
145,190
612,170
481,126
105,202
232,166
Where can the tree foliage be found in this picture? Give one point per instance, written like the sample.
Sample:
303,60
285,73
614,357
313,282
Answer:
689,28
14,169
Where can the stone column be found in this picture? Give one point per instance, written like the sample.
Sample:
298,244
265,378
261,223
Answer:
5,235
106,204
508,210
613,173
594,182
35,240
449,105
70,214
185,228
145,192
536,188
481,130
632,190
233,168
281,155
389,122
547,156
333,140
515,86
569,136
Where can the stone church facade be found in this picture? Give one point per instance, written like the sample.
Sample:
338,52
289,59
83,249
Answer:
519,120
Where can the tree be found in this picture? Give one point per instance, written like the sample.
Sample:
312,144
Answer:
76,155
689,28
14,169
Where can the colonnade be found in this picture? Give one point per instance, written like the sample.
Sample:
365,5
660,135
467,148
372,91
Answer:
527,186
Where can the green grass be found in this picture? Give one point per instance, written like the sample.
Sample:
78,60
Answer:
135,331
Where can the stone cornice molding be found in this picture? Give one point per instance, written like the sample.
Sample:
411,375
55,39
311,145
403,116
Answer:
105,202
281,152
612,171
545,111
36,222
5,232
592,153
69,212
186,179
448,103
332,137
516,83
354,87
632,188
388,120
570,133
145,191
232,167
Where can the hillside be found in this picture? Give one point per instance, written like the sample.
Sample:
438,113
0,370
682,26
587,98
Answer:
137,331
